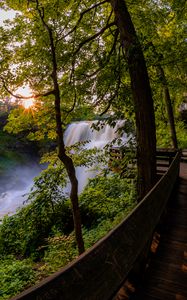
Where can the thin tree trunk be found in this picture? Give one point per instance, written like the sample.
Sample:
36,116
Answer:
65,159
143,102
169,107
68,163
167,98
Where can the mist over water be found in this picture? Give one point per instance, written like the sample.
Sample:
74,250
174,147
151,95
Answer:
15,184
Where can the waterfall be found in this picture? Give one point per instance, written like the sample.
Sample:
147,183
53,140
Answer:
18,182
14,186
82,132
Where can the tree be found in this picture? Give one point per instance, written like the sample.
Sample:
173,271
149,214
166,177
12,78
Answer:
66,160
162,38
90,40
143,103
48,61
146,143
161,75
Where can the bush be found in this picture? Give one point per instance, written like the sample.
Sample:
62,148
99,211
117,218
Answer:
15,276
23,233
60,251
42,230
106,196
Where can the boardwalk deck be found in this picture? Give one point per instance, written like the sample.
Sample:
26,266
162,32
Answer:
166,277
122,253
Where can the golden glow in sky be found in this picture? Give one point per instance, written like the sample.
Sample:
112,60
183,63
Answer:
26,92
28,103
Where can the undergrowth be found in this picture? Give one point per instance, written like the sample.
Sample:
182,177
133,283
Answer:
39,238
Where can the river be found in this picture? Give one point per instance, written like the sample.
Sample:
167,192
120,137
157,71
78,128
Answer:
15,184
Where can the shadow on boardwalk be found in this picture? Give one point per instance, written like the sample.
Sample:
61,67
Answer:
166,276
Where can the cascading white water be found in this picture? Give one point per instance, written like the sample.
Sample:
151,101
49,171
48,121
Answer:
15,185
83,131
19,182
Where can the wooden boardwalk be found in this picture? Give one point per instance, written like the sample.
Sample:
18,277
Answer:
99,272
166,276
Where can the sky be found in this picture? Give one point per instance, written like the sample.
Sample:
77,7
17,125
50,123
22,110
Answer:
4,15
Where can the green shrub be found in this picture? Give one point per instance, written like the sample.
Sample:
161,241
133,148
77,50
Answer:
15,276
106,196
24,233
164,136
42,230
60,251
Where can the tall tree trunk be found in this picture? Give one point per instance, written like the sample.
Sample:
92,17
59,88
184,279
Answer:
167,98
65,159
68,163
169,107
143,102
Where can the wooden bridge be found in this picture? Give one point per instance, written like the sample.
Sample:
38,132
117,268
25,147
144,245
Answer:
144,257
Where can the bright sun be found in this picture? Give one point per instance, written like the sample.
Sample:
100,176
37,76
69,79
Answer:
26,92
27,103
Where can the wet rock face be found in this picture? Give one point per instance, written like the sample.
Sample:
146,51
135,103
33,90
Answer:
23,146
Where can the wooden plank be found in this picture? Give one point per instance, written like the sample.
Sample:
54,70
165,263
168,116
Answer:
166,277
162,282
162,295
98,273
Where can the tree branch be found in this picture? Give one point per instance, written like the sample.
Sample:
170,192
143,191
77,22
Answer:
91,38
116,92
108,106
73,106
44,94
82,15
100,99
25,97
108,57
112,97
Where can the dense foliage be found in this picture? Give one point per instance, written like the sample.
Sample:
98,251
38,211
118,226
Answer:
39,236
14,275
73,51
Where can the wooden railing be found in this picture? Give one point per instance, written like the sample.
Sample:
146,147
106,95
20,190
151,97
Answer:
117,154
99,272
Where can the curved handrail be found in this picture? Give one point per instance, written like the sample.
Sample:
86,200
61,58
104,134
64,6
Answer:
100,271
